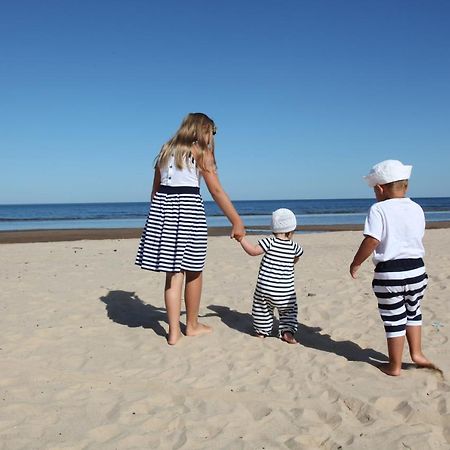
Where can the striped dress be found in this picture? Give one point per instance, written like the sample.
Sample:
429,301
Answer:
174,238
275,286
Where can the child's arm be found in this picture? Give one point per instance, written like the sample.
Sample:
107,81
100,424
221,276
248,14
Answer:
296,259
368,245
224,203
251,249
156,182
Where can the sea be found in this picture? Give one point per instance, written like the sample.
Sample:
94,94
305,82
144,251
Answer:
253,212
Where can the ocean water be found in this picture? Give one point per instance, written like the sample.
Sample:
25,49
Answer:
254,213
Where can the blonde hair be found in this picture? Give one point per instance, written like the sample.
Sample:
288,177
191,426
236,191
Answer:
193,132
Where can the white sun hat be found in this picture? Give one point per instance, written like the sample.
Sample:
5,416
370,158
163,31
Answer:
283,221
387,172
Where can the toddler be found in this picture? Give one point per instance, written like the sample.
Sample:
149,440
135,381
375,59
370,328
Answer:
275,284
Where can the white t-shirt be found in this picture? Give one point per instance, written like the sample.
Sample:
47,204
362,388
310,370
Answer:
399,225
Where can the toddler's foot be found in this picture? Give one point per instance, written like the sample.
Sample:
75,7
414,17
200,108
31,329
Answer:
389,370
259,335
198,329
288,337
173,337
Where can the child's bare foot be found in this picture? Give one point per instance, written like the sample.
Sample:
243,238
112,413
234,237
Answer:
173,337
196,330
421,361
259,335
288,337
389,370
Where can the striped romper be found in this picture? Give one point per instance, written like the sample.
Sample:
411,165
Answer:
400,277
275,286
174,238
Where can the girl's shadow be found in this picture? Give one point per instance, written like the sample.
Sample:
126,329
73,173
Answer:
126,308
308,337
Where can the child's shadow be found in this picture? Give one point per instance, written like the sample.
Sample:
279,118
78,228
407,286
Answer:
308,336
126,308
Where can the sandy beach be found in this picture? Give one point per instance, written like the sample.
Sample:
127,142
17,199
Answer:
85,364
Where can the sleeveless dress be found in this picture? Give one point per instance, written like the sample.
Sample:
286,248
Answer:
174,238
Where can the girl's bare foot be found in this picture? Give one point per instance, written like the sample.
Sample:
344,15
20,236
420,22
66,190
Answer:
196,330
260,336
389,370
173,337
288,337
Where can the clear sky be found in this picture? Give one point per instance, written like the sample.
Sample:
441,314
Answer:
307,95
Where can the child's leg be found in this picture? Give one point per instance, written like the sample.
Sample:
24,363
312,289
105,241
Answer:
262,312
414,322
414,337
288,320
395,349
192,296
389,288
172,299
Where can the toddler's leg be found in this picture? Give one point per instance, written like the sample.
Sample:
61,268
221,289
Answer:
192,296
172,299
288,320
262,312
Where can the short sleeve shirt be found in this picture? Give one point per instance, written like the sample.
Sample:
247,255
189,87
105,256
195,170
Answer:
399,225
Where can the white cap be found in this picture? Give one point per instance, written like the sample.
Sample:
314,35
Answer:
387,172
283,221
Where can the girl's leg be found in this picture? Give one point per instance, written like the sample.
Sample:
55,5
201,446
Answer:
192,296
172,299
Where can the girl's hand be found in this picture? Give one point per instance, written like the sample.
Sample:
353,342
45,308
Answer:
238,232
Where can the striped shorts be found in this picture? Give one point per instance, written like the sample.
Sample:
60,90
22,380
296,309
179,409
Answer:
174,238
399,285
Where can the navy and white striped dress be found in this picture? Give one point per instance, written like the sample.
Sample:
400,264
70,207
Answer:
275,286
174,238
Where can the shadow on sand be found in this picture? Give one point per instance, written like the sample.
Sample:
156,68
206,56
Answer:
126,308
308,337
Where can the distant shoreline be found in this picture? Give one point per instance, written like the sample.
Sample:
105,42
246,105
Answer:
29,236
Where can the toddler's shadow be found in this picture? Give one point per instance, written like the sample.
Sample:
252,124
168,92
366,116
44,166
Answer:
126,308
308,337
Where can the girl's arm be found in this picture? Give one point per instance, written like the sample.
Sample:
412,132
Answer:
368,245
251,249
156,182
222,200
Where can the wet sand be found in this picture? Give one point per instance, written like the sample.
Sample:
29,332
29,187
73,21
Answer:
10,237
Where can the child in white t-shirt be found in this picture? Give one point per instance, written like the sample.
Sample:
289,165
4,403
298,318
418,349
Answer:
393,233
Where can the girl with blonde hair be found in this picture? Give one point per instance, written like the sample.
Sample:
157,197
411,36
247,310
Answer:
174,238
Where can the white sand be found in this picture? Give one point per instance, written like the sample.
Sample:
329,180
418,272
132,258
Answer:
84,361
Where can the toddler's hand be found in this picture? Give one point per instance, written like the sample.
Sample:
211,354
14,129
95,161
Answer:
238,232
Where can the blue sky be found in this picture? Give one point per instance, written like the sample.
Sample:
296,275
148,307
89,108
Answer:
307,95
